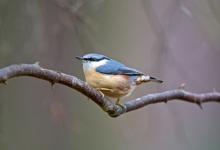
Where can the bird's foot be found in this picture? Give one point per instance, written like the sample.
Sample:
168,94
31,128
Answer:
100,92
123,107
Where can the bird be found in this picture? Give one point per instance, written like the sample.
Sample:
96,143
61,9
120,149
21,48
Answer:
111,77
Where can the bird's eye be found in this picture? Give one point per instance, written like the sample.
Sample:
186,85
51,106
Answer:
87,59
92,59
95,59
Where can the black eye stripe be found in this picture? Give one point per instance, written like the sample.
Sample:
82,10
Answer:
95,59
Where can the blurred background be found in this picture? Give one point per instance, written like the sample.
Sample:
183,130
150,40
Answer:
177,41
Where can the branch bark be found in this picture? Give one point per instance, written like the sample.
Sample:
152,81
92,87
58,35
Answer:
34,70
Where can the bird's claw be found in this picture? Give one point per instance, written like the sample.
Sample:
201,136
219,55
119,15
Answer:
123,107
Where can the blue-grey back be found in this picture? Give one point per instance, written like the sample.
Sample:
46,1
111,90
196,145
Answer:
114,67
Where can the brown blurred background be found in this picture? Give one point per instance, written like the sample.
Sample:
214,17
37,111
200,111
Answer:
175,40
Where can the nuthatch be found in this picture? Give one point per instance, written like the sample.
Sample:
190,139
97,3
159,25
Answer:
111,77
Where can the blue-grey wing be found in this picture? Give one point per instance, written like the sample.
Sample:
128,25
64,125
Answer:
115,67
129,71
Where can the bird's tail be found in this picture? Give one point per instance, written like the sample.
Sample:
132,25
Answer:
145,78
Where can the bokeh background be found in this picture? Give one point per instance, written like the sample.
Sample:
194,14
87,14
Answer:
175,40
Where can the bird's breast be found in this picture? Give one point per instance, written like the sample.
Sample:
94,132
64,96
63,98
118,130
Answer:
110,85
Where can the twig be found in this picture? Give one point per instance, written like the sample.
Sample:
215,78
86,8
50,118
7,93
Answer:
34,70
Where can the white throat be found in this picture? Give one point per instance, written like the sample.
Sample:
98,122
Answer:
93,64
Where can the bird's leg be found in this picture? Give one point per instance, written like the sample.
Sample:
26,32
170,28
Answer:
99,89
103,89
118,101
121,105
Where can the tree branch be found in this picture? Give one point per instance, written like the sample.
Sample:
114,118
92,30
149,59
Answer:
34,70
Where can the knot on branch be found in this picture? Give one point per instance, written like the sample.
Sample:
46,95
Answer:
3,79
116,111
112,109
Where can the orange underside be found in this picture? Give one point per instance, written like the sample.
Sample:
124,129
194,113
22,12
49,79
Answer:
110,85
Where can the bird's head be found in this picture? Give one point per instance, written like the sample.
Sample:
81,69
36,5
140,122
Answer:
93,60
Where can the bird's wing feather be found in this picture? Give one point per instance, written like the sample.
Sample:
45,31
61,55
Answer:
116,68
129,71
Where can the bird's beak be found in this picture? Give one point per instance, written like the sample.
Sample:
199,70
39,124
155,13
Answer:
79,57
